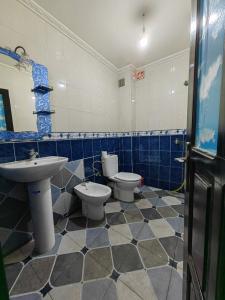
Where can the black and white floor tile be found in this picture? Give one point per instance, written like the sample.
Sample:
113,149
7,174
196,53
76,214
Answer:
135,253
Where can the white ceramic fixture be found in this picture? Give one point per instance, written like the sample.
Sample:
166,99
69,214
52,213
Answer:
93,196
123,183
37,173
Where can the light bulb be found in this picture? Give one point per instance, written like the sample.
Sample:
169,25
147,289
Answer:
144,41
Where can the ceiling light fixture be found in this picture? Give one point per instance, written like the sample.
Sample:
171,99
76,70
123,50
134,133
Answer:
144,39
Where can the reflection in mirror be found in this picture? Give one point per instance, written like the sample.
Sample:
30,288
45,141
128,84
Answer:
17,102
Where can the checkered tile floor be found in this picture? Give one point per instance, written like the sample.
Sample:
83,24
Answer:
136,252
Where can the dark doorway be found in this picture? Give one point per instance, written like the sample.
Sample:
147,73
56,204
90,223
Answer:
5,111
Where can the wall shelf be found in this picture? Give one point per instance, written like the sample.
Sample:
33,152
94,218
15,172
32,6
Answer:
42,89
44,112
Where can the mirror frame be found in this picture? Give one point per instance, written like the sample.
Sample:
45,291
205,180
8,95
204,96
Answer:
42,103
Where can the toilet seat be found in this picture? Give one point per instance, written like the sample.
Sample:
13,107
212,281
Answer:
126,177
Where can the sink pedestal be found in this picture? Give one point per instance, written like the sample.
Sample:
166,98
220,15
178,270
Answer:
40,200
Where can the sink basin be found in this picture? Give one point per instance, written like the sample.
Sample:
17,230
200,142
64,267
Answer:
37,173
32,170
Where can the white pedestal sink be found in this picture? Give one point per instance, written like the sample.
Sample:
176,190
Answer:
37,173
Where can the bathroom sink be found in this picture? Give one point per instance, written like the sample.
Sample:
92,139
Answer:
31,170
37,174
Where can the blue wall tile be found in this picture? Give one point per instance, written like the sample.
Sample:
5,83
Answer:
164,173
88,147
135,142
100,180
154,182
127,158
144,143
111,145
22,149
165,185
47,148
64,149
120,157
154,171
77,149
127,168
136,156
176,174
117,144
6,153
154,142
140,169
165,143
88,167
144,157
96,146
154,156
104,144
165,158
126,142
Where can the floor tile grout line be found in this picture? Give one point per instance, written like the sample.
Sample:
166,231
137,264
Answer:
37,274
23,266
105,247
63,270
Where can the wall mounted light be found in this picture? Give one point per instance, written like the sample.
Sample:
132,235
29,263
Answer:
62,84
24,58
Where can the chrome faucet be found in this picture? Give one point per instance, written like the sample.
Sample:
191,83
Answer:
84,183
32,154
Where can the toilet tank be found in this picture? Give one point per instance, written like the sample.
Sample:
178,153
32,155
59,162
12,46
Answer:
110,165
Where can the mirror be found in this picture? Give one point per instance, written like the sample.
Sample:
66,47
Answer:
17,102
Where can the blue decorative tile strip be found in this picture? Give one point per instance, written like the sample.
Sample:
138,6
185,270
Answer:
10,53
40,77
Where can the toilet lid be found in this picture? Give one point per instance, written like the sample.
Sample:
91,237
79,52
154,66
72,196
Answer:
127,176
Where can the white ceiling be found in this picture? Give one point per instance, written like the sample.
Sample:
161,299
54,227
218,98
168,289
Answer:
113,27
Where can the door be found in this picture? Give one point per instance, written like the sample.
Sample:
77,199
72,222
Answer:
204,235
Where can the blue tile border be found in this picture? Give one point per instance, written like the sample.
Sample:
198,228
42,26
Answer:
151,156
8,136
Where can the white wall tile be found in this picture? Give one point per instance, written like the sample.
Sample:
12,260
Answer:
91,87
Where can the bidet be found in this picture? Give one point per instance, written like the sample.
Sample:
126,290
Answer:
93,195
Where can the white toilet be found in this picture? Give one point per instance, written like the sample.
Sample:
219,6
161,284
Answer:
123,183
93,196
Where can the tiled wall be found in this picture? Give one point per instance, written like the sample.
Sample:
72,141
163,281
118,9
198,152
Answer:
154,159
151,156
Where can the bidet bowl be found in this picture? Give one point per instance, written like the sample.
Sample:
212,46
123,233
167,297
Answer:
93,195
